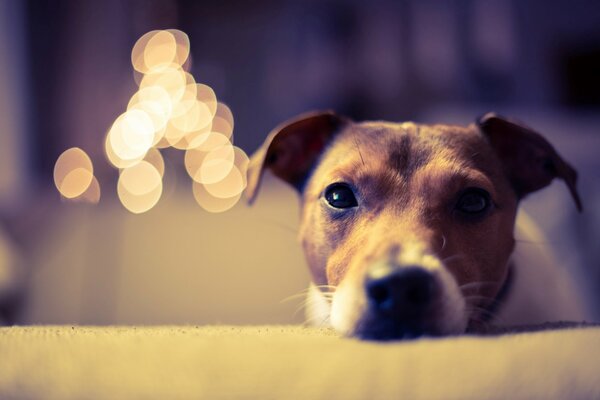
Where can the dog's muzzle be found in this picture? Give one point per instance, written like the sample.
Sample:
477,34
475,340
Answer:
401,302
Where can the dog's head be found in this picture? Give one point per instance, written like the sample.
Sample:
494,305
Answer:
407,228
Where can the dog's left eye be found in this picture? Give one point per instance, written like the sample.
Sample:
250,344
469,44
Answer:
473,202
339,195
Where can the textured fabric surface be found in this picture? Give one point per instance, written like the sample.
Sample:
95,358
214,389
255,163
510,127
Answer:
278,362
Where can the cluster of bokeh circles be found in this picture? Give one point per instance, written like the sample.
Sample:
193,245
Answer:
169,109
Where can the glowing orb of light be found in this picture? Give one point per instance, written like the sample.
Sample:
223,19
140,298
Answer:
114,159
231,185
211,203
156,103
223,120
242,162
130,137
210,141
196,121
211,160
185,101
173,79
158,49
183,46
92,193
193,160
152,94
235,181
139,187
216,165
73,172
194,136
206,95
137,53
154,157
158,117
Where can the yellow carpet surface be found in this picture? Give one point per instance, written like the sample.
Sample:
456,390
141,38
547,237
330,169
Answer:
291,362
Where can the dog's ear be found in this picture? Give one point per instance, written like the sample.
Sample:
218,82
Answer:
292,148
530,160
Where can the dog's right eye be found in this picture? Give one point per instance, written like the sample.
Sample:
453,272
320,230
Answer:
339,195
473,203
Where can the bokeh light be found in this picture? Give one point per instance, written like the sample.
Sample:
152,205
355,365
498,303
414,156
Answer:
216,165
156,103
204,162
160,48
131,136
139,187
169,109
92,194
210,141
206,95
182,56
115,160
160,51
137,53
154,157
223,120
235,181
231,185
210,203
73,172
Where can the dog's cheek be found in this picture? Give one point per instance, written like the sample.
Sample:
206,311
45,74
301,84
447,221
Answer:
489,262
338,266
329,246
497,252
348,257
316,255
317,241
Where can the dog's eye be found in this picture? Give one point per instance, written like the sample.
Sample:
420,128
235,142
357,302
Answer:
473,202
339,195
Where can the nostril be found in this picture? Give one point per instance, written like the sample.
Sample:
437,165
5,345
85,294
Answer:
378,293
400,290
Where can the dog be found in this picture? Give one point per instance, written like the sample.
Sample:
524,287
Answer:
409,229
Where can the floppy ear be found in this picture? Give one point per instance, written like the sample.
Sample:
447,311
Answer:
531,163
292,148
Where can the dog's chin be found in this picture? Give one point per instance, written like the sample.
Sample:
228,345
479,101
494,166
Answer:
373,327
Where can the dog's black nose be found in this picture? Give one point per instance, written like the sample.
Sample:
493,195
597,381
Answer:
400,292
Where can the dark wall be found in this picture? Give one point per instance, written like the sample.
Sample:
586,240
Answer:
270,60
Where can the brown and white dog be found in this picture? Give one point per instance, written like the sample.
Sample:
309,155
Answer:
408,229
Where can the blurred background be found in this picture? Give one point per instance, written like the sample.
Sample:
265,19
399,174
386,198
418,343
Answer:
66,75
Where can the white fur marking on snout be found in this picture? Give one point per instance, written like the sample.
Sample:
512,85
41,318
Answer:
349,300
454,316
414,255
348,306
318,308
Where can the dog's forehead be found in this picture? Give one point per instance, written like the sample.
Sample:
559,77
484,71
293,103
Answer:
385,159
406,147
